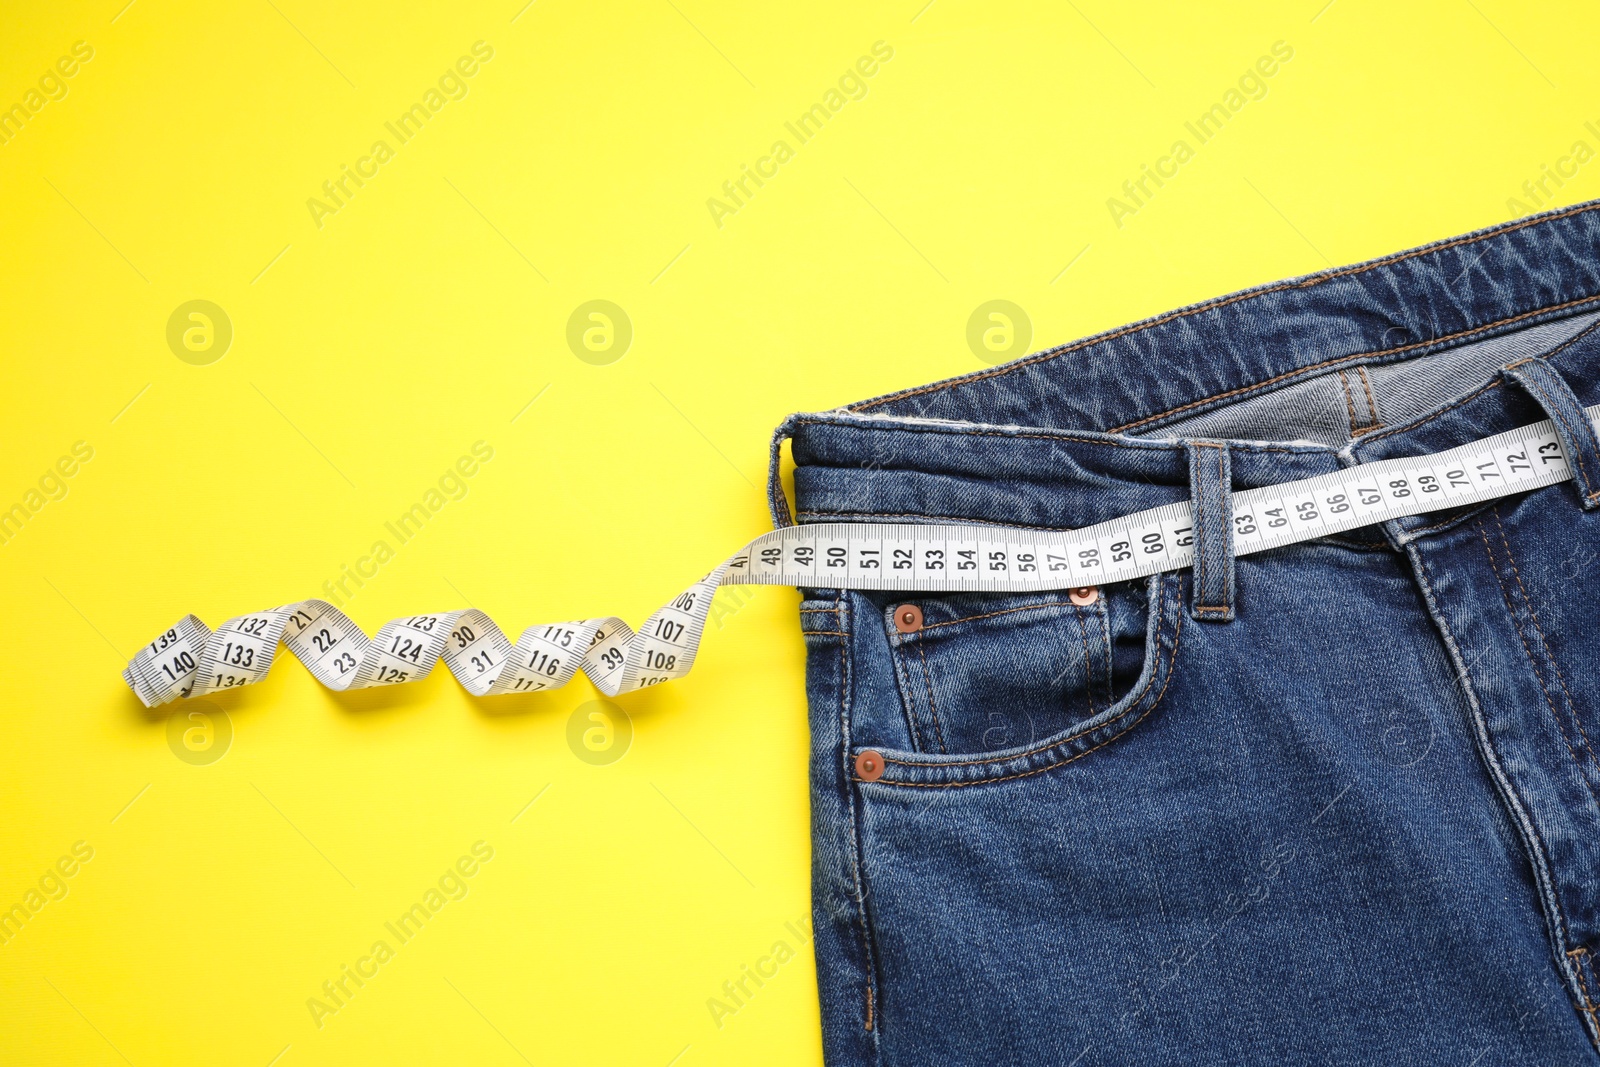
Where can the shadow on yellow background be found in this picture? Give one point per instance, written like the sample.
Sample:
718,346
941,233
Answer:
270,270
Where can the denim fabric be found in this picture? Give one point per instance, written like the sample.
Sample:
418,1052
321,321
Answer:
1357,823
1212,499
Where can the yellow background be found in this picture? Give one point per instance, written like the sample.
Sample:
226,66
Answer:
371,352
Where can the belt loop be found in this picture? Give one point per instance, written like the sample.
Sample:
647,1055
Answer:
1546,385
1211,500
781,515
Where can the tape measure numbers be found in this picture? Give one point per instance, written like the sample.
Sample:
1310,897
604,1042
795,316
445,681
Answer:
189,660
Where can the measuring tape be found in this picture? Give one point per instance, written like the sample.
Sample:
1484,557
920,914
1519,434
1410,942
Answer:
189,660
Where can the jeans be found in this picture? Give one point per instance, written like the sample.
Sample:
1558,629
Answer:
1336,803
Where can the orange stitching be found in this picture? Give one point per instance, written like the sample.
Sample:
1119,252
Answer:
1307,283
1349,400
1002,611
1562,347
1138,445
1583,980
1048,745
1372,405
824,633
1528,651
933,706
869,1005
1543,640
1165,608
920,515
1586,991
1459,335
1171,667
1457,402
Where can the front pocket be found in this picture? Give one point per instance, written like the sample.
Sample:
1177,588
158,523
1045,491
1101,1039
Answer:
986,672
1035,663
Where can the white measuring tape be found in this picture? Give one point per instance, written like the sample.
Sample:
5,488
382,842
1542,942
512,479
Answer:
189,660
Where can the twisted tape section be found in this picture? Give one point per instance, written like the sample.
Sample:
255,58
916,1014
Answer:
190,660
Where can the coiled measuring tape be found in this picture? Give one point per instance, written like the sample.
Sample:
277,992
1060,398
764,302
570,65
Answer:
189,660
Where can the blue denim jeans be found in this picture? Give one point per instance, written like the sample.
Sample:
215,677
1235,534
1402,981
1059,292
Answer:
1336,803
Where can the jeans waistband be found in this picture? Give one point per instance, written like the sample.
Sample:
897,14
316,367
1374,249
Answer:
1094,429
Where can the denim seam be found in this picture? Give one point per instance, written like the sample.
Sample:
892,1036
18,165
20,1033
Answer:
908,702
1352,544
1066,436
1088,664
933,706
918,515
1104,634
1448,523
1544,879
1349,400
1323,367
857,859
1002,611
1372,404
1563,346
1495,383
1588,994
1307,283
1538,674
1580,956
1406,427
1236,298
1533,614
1165,609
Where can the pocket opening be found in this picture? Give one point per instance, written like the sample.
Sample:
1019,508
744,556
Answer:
1163,625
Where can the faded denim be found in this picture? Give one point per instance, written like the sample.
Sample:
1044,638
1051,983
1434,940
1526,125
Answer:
1337,803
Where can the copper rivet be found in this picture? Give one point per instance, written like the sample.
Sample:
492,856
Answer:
869,765
908,618
1085,596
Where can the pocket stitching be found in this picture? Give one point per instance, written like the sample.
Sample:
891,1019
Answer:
1166,609
1088,665
1002,611
933,706
903,671
908,702
1047,745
